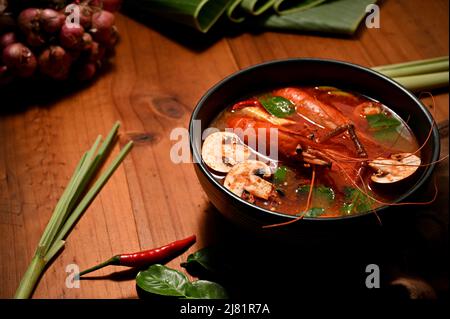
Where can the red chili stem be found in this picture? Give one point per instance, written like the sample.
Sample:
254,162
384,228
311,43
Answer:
146,257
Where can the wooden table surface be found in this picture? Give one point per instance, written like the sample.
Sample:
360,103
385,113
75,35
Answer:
156,79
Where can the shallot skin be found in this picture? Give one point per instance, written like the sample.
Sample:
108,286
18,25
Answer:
19,60
55,63
71,36
102,26
51,20
7,39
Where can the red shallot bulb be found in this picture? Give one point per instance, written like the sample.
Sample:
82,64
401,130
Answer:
7,39
86,72
55,62
71,36
29,20
51,20
102,26
19,60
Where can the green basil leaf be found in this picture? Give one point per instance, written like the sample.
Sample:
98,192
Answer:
356,201
280,175
382,121
321,192
277,106
203,258
204,289
160,280
387,134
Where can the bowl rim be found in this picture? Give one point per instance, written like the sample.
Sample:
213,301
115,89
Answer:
199,162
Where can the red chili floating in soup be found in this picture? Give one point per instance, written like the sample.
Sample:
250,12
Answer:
312,151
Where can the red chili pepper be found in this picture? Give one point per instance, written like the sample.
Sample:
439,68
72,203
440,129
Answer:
146,257
250,102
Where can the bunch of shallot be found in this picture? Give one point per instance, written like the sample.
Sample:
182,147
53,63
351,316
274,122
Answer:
59,39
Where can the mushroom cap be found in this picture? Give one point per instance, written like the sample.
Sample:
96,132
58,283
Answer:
397,168
243,176
222,150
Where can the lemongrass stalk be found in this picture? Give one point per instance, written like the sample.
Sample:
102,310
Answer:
424,81
74,191
65,214
433,67
30,278
42,247
86,201
409,64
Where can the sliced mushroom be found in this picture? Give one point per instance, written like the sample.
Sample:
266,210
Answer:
397,168
244,176
222,150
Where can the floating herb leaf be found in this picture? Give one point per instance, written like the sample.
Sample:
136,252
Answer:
280,175
382,121
161,280
356,201
314,212
319,192
277,105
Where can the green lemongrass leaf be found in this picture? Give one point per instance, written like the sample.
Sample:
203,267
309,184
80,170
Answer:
160,280
204,289
199,14
341,17
406,65
424,81
290,6
277,106
235,12
64,216
434,67
62,199
257,7
92,193
68,199
54,249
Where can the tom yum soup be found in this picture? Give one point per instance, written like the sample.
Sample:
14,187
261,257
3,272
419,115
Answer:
336,153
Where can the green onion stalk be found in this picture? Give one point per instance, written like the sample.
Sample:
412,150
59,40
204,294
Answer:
74,201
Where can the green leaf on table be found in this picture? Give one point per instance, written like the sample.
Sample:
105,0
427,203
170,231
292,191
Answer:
277,105
160,280
257,7
164,281
290,6
204,289
203,257
356,201
382,121
340,16
199,14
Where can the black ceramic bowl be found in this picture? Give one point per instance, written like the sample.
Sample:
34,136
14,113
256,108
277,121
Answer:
306,72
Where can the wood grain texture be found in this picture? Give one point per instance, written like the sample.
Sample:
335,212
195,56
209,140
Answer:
152,86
